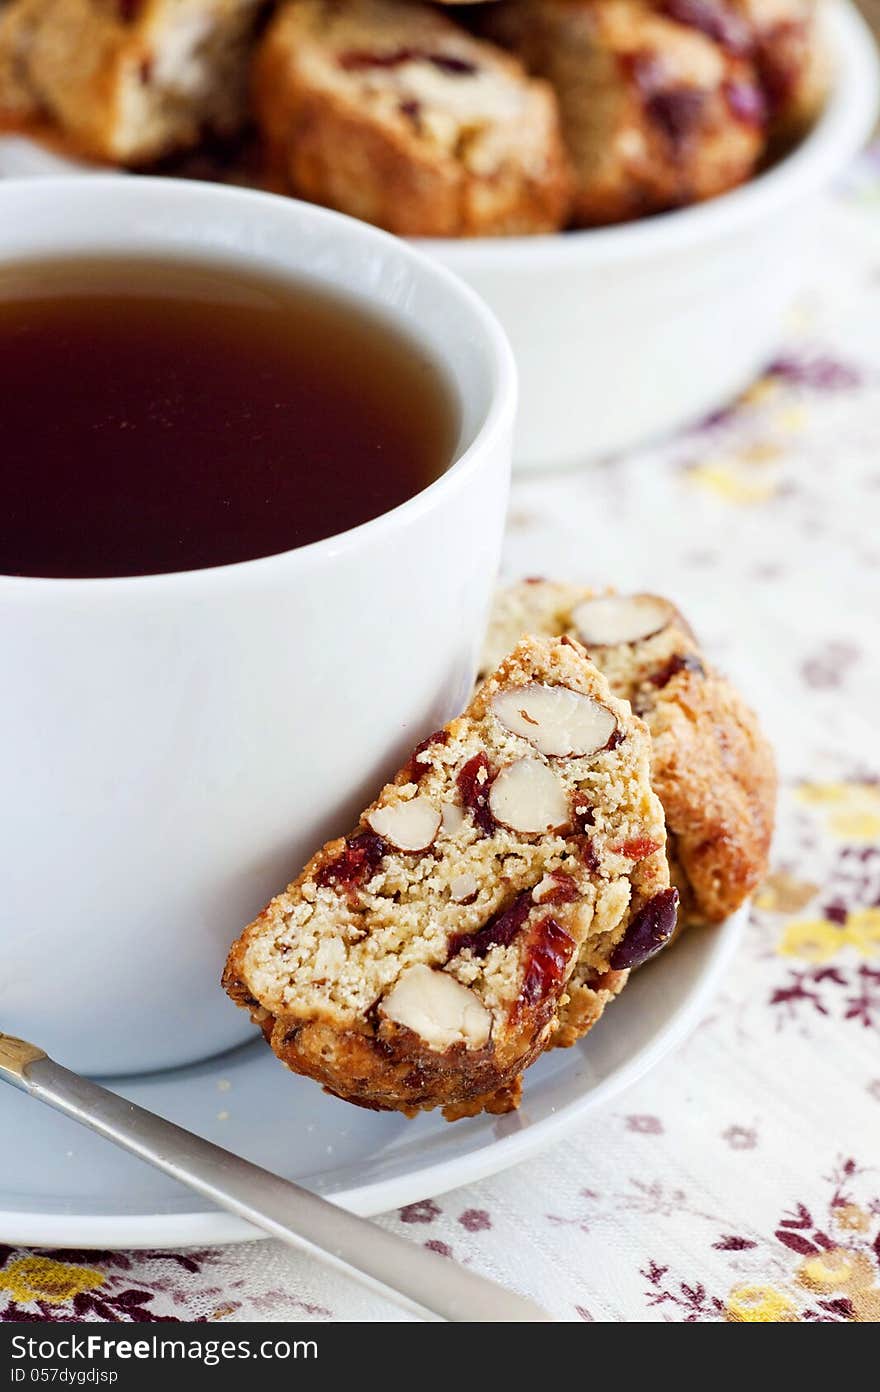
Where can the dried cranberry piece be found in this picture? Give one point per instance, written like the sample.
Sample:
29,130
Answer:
587,852
581,814
548,953
679,662
500,931
416,769
747,103
128,10
714,20
637,848
648,932
357,863
358,59
474,790
564,889
582,820
459,67
644,70
678,112
779,58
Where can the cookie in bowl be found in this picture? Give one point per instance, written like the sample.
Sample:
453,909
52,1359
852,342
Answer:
130,81
18,99
781,39
425,960
656,114
711,766
391,112
791,62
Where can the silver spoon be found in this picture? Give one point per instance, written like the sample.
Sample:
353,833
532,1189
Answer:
417,1279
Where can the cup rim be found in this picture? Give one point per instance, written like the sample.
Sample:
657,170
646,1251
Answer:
496,420
837,134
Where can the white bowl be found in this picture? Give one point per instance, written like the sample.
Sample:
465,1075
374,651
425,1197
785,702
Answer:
175,746
624,333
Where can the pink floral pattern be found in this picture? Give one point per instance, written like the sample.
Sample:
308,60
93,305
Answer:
827,1272
739,1182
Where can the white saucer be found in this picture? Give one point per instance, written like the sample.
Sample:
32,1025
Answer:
60,1186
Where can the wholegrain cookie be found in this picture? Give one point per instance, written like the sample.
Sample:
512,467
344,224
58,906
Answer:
790,59
493,896
655,113
781,40
19,21
132,80
389,111
711,767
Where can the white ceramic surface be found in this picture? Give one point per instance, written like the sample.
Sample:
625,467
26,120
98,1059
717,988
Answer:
62,1186
175,746
622,334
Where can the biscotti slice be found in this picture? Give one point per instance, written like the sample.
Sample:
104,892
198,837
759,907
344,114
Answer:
781,39
128,81
389,111
19,21
792,64
711,767
423,961
655,114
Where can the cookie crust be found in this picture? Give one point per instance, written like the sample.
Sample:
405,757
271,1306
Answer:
392,113
655,113
491,922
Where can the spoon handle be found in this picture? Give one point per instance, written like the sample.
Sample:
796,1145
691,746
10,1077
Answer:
417,1279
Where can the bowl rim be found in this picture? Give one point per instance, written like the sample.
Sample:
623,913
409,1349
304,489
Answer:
495,418
837,135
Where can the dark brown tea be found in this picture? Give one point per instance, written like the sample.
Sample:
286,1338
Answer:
162,417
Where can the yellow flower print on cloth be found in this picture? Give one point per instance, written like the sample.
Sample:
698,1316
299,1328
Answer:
783,893
812,940
817,940
852,810
752,472
863,931
850,1274
837,1269
851,1217
41,1278
756,1304
731,484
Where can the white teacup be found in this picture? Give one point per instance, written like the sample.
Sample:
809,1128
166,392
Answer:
175,746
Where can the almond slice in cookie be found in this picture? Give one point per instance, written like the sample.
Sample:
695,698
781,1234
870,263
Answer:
527,796
556,720
437,1008
612,619
408,826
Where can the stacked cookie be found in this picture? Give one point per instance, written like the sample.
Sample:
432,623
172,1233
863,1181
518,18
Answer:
501,118
710,765
495,896
128,81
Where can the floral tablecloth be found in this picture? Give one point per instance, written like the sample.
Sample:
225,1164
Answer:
741,1180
